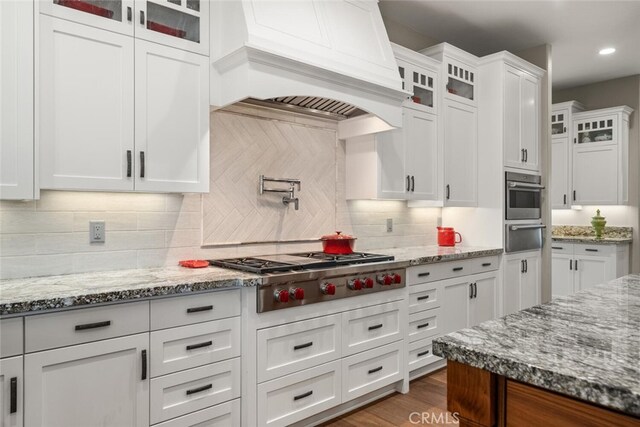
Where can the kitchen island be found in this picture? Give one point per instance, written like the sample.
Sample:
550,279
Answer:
573,361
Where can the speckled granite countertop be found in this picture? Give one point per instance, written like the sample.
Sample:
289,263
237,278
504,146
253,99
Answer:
586,345
54,292
585,234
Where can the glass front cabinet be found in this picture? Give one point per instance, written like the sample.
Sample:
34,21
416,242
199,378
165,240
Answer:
183,24
419,76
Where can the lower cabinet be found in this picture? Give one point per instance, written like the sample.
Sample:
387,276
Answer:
11,387
469,301
521,285
103,383
224,415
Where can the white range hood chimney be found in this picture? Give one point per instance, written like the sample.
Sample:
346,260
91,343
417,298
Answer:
333,49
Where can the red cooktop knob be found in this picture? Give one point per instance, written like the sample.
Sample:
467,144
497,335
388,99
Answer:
281,295
297,293
387,280
328,289
368,282
397,278
355,284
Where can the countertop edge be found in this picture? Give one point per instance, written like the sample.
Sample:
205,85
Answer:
591,240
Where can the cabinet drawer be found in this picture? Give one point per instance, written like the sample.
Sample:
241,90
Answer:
185,310
188,391
11,343
421,274
370,327
371,370
424,324
596,250
438,271
84,325
223,415
298,396
483,264
186,347
424,297
562,248
420,354
291,348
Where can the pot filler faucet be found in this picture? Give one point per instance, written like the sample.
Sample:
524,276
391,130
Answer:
290,193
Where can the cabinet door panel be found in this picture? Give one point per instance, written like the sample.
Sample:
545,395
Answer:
560,174
483,306
595,175
112,15
455,305
511,285
530,120
393,177
562,275
86,106
11,370
591,271
421,154
96,384
172,119
512,150
530,285
460,154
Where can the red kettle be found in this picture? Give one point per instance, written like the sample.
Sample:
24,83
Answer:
447,236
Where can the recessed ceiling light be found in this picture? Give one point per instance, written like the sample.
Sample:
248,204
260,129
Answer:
607,51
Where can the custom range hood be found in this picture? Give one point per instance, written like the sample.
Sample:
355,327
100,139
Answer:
326,56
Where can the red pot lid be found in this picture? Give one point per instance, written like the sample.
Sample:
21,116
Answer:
337,236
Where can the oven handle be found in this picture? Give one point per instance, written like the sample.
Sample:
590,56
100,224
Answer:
525,185
526,227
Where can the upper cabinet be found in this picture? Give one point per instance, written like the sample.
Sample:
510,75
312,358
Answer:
419,76
601,156
183,24
16,103
561,153
459,72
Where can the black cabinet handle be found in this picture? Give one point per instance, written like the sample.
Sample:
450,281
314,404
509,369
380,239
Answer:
374,370
423,297
13,405
142,164
202,344
564,130
448,191
424,325
591,250
575,265
303,395
408,183
521,266
526,266
413,183
470,290
575,140
557,247
574,195
144,365
522,154
526,155
371,328
475,290
200,389
128,163
142,17
93,325
425,274
424,353
565,199
458,268
199,309
301,346
129,14
570,264
486,264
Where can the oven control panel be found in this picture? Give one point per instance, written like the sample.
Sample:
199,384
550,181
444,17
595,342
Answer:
278,296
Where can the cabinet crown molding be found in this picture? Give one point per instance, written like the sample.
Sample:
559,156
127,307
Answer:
574,106
623,109
440,50
415,58
513,60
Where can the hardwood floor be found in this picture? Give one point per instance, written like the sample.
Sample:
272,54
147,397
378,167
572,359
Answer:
427,397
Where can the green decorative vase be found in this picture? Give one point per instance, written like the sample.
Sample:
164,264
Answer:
598,222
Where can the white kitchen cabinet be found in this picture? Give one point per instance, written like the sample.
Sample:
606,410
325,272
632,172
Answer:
455,315
104,383
16,103
561,153
522,281
419,75
11,392
468,301
459,71
580,266
483,304
460,140
88,138
115,16
601,157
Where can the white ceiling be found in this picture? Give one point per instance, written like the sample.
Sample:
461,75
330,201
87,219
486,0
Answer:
577,30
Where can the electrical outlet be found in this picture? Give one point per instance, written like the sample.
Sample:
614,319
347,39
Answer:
96,231
389,225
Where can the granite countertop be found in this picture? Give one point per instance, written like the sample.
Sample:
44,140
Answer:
585,234
586,345
54,292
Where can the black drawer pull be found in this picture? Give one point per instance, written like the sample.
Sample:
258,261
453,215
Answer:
129,158
591,250
301,346
371,328
425,274
13,406
557,247
424,353
423,297
144,365
424,325
202,344
457,268
199,309
93,325
374,370
486,264
303,395
199,389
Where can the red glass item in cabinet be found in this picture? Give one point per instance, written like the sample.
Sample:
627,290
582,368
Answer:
87,7
166,30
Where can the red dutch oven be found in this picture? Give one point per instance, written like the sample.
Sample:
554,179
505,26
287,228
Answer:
338,243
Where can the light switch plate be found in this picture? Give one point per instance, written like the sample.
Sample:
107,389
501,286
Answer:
389,225
96,231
